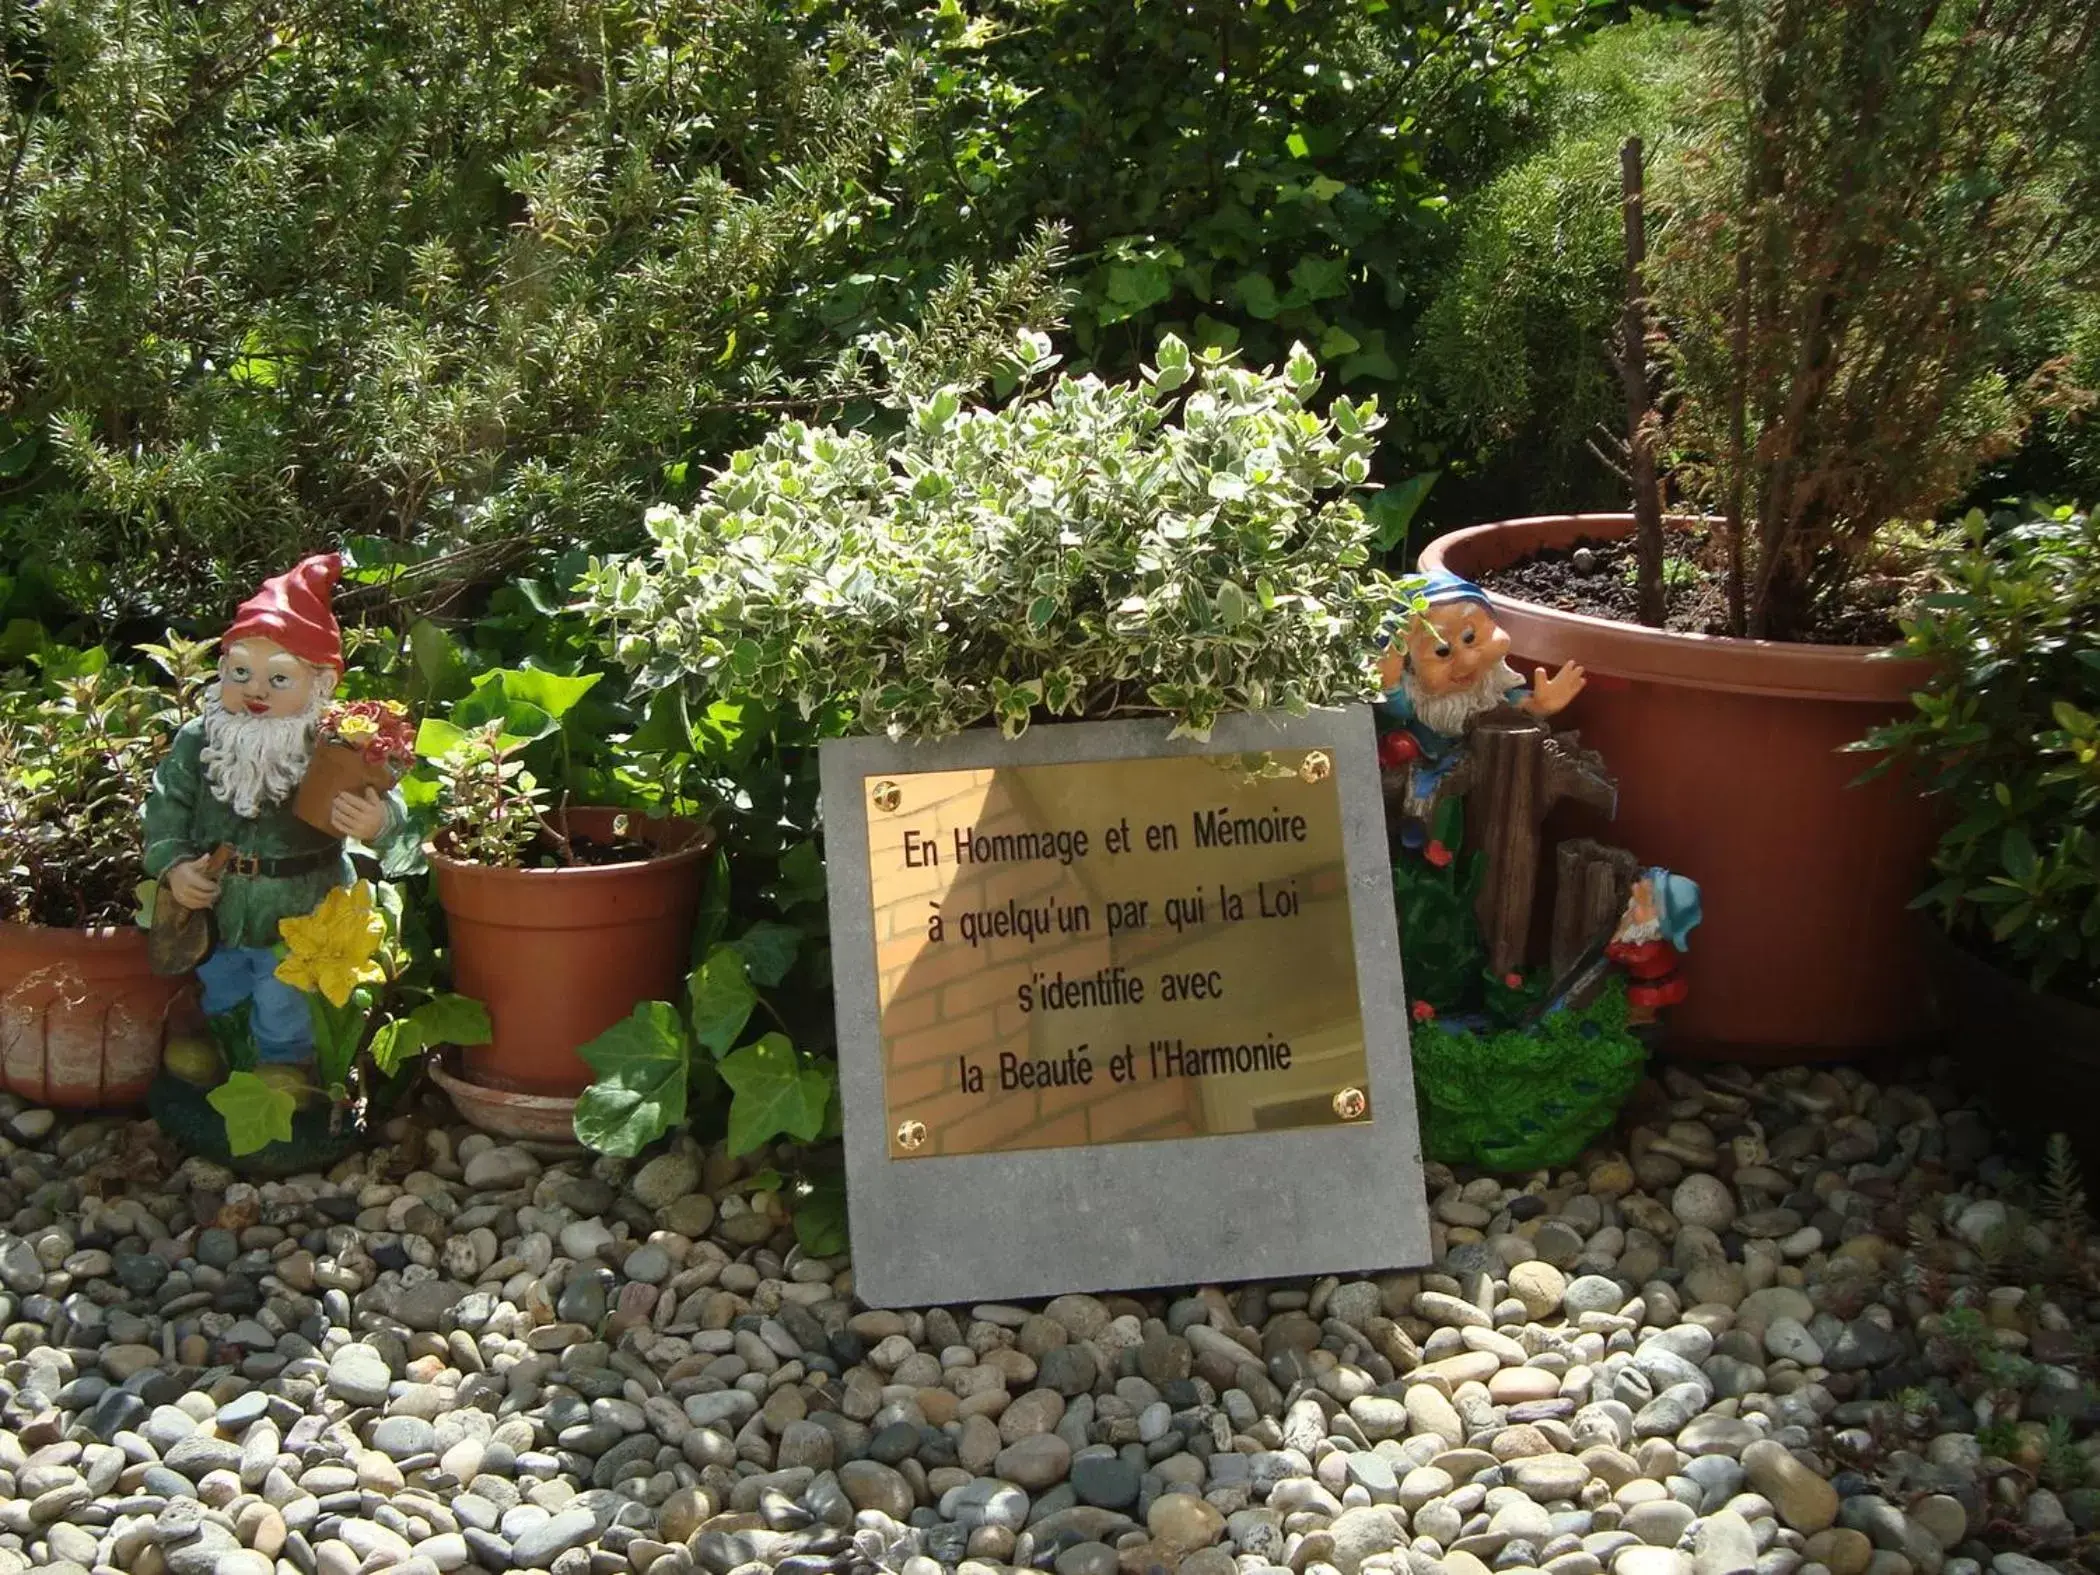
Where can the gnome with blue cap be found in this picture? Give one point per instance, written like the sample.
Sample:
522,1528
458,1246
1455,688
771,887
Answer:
1661,913
1444,667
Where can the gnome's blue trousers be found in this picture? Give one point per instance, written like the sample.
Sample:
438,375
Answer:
280,1020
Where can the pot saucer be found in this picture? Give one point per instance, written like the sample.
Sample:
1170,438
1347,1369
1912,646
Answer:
506,1112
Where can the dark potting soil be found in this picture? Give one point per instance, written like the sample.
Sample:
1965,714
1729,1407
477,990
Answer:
1596,578
96,900
587,853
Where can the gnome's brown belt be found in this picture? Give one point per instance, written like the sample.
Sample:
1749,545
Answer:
275,869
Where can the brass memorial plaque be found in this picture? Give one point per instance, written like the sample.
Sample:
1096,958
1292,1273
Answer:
1113,951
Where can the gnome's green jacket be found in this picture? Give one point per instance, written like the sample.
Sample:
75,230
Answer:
184,821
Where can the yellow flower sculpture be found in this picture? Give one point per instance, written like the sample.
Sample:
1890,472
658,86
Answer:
332,948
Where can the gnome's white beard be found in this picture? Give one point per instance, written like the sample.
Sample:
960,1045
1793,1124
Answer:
253,763
1448,714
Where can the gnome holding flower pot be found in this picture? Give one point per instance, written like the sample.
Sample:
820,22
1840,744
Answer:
222,835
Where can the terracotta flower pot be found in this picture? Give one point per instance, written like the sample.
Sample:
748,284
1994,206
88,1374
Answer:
560,955
82,1016
335,768
1727,755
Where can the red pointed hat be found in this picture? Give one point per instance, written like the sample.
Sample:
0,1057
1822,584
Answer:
292,609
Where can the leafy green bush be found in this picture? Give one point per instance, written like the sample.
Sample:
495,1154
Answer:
1243,176
2007,733
1511,372
460,278
650,1065
1090,551
79,739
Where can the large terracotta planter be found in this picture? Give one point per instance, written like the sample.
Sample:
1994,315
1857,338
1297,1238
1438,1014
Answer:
82,1017
560,955
1727,755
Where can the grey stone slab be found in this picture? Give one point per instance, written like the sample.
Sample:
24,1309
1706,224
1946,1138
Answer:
1037,1222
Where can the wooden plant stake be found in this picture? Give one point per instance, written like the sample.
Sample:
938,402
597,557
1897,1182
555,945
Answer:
1643,422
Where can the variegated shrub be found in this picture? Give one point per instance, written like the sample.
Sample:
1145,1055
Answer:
1189,545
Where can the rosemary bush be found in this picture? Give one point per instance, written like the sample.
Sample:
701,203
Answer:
443,280
1879,189
1189,545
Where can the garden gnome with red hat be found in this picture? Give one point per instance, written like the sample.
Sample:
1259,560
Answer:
220,832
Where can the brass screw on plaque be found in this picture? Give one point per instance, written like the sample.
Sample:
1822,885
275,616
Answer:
911,1134
1350,1103
1315,766
887,796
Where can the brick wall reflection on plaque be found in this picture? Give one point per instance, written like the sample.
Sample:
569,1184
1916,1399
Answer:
1115,951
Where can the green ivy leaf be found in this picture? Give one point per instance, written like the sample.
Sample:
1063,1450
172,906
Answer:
640,1090
820,1217
1319,278
777,1094
553,693
768,950
521,720
1336,342
453,1020
720,999
396,1042
1134,287
257,1114
801,876
436,738
1258,295
1372,362
1393,509
2018,852
440,675
21,639
714,907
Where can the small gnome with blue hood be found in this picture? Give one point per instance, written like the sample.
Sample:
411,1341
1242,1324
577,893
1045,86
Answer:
1441,670
1661,912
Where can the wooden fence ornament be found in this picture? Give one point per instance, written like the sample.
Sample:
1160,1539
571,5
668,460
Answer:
1520,770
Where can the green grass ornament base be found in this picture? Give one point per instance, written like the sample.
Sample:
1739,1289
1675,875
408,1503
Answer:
1526,1099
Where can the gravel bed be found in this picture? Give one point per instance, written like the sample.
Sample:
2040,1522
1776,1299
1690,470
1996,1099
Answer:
1733,1345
